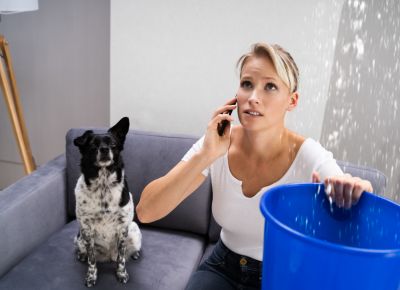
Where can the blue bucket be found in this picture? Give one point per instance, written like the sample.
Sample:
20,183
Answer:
311,244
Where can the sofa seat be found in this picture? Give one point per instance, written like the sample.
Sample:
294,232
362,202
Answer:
168,258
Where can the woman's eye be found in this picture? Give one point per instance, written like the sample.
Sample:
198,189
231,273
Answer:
271,87
246,84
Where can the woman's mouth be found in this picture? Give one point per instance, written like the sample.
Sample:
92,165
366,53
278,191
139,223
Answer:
252,113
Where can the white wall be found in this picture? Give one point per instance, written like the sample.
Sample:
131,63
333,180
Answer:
61,61
173,62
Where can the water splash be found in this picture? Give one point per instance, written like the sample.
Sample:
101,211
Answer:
361,116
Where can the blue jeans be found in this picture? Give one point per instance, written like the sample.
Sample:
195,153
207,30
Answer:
225,269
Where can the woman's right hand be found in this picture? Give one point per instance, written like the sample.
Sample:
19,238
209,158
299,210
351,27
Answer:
214,145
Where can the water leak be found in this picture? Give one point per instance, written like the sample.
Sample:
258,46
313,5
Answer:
361,120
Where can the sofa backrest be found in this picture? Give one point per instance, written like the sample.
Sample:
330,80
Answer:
377,178
148,156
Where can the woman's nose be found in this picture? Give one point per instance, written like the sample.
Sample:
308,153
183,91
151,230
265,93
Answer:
254,97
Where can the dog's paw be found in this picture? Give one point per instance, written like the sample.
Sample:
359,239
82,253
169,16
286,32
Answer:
136,255
90,281
91,276
122,276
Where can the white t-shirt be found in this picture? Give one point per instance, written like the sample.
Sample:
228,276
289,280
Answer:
239,216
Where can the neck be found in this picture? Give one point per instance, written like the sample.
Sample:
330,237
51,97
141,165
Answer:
265,145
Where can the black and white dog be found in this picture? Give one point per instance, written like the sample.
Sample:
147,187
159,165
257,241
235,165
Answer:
104,205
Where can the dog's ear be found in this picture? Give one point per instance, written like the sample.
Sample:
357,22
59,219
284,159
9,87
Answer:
120,129
82,140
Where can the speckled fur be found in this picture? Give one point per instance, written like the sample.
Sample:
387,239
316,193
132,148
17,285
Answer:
99,210
104,205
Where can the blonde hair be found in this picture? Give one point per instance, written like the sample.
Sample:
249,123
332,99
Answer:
282,61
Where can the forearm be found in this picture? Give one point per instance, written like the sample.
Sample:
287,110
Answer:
163,195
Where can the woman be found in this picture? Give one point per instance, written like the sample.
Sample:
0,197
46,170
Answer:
245,161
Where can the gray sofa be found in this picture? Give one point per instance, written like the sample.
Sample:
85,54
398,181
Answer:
37,221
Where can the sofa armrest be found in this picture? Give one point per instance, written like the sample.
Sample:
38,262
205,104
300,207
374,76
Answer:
31,210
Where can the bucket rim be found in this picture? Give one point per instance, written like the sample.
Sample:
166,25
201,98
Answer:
318,242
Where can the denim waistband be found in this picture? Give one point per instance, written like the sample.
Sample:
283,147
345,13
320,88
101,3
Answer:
237,257
244,263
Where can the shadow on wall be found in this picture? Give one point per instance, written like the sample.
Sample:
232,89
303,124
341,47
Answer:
361,122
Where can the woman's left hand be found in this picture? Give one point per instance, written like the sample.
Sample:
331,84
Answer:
345,190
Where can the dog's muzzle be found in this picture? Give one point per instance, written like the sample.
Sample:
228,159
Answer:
104,156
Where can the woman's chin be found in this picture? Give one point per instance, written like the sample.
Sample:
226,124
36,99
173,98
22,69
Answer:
251,126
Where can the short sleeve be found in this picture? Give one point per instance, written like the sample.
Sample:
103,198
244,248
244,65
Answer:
193,150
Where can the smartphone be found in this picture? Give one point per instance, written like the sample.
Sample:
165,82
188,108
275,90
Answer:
222,125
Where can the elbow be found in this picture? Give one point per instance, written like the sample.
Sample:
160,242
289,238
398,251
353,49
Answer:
142,214
148,209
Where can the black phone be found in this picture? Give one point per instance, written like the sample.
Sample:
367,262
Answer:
222,125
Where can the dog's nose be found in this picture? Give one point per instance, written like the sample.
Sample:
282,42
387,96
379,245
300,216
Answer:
104,150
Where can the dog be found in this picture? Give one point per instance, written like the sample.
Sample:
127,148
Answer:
104,205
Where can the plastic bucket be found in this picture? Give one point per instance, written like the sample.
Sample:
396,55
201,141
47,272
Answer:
310,244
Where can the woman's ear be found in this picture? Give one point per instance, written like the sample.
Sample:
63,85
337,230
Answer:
294,98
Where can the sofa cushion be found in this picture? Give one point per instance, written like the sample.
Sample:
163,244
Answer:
207,252
168,259
148,156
